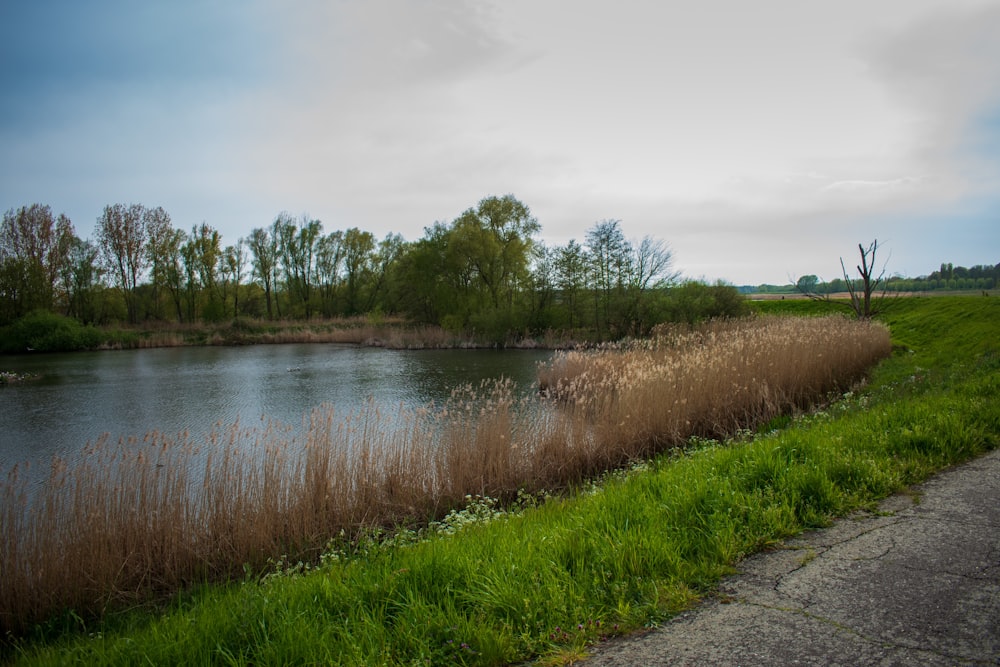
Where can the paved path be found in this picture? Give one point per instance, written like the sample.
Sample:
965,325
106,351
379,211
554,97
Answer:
915,583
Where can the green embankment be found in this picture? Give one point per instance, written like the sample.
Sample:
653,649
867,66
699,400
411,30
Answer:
630,551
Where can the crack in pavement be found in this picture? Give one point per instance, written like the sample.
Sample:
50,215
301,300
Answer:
914,584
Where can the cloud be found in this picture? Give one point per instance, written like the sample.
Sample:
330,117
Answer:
945,68
738,134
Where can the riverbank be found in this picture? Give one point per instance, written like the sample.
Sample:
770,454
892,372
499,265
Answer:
47,332
43,332
394,333
549,580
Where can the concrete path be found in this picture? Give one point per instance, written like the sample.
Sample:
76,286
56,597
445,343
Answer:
915,583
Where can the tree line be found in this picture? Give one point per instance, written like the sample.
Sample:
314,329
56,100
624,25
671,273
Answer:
485,273
949,277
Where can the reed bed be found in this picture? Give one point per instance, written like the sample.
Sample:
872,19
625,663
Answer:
713,380
140,519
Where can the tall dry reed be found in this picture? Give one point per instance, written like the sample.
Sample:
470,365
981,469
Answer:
142,518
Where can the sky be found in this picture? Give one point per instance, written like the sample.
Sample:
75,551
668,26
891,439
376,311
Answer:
762,141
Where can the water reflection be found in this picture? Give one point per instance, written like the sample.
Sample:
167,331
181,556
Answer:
129,393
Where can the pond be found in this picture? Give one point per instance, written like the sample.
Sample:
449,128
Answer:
81,396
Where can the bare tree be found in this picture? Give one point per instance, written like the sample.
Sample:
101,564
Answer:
862,302
867,292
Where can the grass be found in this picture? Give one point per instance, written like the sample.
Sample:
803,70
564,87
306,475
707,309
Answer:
491,586
159,514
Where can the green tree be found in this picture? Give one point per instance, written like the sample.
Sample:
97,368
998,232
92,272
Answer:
386,256
171,266
122,235
571,279
329,258
428,288
34,248
161,249
359,248
807,284
264,258
608,252
201,256
233,269
81,276
496,239
297,243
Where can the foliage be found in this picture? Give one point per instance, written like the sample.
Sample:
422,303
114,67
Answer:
43,331
34,251
484,274
694,301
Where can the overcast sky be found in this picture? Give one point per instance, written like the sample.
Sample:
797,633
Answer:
761,140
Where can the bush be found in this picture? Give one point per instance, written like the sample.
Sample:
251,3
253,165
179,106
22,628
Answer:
43,331
695,302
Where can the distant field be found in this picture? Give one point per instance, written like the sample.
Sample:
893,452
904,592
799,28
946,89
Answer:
755,296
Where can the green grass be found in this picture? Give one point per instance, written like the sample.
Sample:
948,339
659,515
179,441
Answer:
614,556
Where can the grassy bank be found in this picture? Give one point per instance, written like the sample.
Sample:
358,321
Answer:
606,559
156,514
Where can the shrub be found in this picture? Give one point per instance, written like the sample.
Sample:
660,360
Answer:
43,331
695,301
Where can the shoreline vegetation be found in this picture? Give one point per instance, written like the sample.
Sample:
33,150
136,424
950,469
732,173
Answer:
726,438
47,332
152,522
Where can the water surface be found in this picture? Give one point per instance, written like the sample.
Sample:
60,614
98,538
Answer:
81,396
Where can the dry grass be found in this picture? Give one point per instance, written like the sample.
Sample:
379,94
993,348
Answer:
714,380
390,332
144,518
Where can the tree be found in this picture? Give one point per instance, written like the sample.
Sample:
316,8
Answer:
541,289
807,284
160,250
206,252
233,266
298,250
867,293
264,252
121,233
172,268
608,254
383,261
34,249
359,247
571,277
862,302
81,277
646,271
428,288
329,257
496,239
